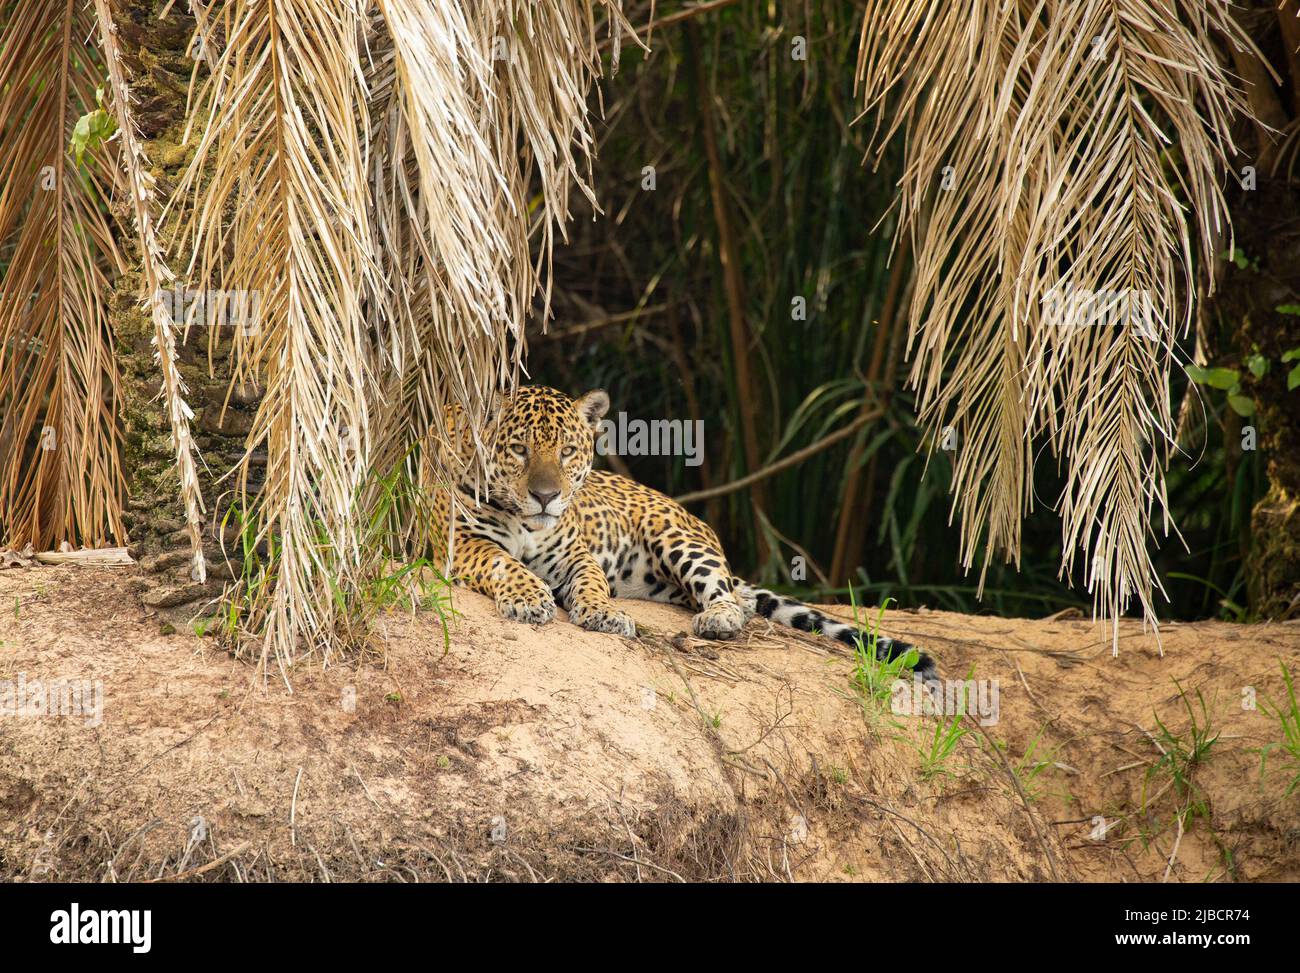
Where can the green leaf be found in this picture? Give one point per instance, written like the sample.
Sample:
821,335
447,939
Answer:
1230,254
1257,364
80,136
1218,378
1293,379
1287,309
1291,355
1237,256
1243,405
91,131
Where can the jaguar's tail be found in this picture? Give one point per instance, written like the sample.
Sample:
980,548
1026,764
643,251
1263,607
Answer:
795,614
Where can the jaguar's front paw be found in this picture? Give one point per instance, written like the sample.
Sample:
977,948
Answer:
605,618
531,608
721,620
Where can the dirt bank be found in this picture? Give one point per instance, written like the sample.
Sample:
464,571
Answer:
552,753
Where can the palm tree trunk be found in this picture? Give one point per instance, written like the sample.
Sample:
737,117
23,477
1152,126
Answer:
159,66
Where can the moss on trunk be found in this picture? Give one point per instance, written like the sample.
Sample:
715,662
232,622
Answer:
160,68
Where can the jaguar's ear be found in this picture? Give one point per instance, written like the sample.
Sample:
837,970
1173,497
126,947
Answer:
592,407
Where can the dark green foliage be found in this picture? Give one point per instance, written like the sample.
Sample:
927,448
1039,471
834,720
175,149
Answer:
641,309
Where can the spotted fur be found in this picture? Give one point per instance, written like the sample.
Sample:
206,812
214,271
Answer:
545,528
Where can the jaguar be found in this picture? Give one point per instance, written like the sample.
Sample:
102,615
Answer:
543,528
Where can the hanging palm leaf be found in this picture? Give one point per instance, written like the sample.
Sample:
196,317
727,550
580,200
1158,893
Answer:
1056,231
361,181
469,101
282,248
61,479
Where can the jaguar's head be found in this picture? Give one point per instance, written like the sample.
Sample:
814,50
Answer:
542,444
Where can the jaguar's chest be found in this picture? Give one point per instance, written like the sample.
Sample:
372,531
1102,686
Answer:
517,541
589,524
527,546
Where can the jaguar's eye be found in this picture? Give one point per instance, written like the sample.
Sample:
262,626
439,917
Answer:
519,449
568,451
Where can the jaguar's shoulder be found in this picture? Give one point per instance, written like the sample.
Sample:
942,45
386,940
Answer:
607,486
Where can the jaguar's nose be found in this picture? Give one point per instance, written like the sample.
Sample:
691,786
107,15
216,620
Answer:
544,497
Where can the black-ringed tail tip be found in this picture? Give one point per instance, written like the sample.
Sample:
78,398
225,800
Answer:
795,614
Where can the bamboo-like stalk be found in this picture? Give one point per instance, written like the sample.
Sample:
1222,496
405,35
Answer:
1289,23
850,531
738,329
794,459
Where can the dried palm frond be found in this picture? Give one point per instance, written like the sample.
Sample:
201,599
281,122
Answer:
469,103
283,248
157,279
61,478
1055,252
470,100
364,173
